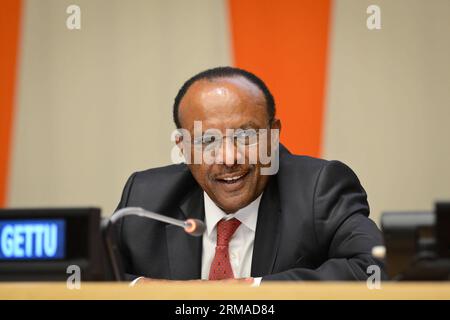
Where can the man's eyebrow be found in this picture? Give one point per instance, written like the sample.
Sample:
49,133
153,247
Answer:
249,125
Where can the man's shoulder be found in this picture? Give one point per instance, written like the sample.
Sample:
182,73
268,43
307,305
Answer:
293,162
156,189
307,169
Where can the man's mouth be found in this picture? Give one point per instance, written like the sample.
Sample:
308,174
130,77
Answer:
232,178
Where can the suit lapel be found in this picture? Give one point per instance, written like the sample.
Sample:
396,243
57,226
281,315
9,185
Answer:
184,250
267,231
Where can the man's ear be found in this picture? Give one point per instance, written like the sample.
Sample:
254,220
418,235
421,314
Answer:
276,124
179,142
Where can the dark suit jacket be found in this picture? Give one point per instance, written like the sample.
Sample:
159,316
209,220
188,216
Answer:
312,224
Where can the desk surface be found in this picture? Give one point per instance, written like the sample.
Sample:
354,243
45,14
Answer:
207,291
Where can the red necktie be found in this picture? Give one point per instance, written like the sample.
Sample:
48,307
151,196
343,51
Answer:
221,266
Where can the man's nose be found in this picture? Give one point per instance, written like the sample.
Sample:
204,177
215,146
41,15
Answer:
227,153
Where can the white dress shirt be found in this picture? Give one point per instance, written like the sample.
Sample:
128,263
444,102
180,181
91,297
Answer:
241,243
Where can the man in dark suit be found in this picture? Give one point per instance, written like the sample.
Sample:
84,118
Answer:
306,221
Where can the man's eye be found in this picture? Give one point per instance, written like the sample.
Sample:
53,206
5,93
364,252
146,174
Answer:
208,139
250,133
246,136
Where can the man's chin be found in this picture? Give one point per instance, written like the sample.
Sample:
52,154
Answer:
233,203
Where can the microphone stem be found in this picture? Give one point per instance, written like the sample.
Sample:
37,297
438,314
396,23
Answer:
135,211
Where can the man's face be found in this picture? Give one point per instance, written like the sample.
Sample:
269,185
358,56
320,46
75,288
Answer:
227,103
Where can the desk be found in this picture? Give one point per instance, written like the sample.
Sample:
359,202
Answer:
208,291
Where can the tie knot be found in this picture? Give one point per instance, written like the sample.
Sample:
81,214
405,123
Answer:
225,230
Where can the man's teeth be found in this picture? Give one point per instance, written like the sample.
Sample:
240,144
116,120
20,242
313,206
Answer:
233,178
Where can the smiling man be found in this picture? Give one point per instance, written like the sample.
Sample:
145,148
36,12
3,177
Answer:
305,220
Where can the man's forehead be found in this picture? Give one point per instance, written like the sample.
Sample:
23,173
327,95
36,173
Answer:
233,96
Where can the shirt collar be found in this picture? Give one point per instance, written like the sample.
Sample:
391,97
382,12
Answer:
248,215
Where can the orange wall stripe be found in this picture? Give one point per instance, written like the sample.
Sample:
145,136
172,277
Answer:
285,42
9,41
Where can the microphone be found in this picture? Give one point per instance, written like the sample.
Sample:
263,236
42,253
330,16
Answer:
194,227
